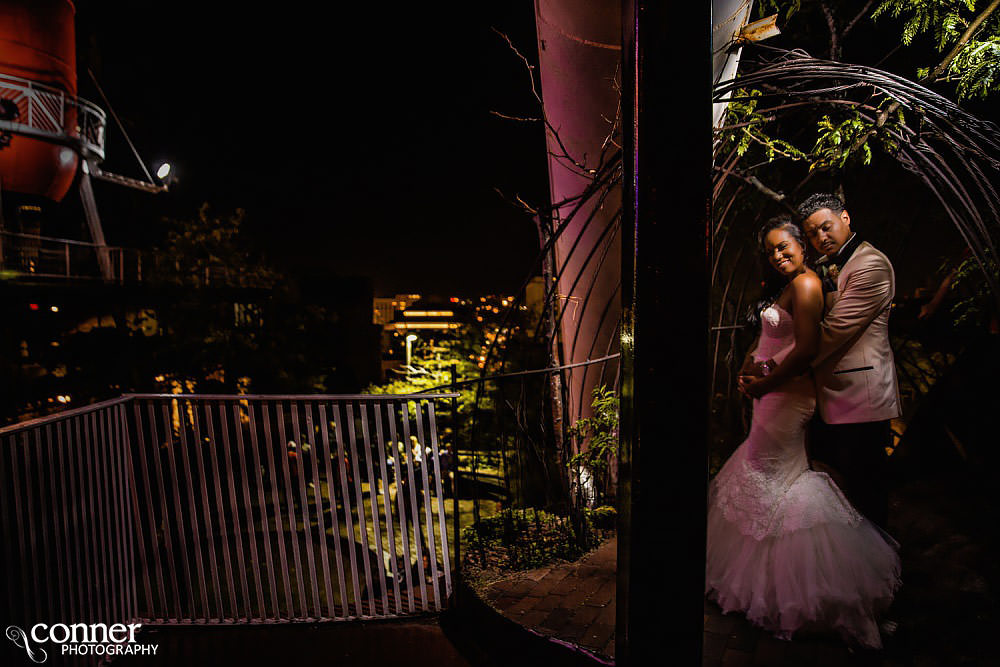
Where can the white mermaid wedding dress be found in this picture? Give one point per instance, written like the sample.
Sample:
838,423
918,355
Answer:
784,545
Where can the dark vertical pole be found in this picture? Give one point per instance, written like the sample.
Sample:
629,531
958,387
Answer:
456,515
94,221
666,103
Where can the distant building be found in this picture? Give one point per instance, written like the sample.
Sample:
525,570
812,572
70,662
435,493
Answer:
434,318
386,307
426,317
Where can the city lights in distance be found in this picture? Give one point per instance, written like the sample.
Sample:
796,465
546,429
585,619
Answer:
425,325
428,313
63,398
54,309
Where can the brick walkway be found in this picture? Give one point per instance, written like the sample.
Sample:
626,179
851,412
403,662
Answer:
732,641
575,603
947,611
571,602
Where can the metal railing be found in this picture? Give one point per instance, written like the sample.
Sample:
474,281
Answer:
181,509
46,112
34,256
530,502
66,525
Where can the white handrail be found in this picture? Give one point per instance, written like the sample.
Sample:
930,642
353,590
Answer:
37,105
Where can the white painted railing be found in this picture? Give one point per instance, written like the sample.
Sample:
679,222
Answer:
46,112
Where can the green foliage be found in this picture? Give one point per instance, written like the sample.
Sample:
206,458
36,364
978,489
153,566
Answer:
976,68
976,303
209,249
742,112
521,539
768,7
599,433
262,338
942,18
839,141
597,440
850,136
920,366
434,370
841,137
604,517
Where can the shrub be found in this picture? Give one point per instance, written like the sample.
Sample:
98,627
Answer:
521,539
604,517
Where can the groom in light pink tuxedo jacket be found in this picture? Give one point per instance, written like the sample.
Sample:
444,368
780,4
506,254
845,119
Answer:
856,389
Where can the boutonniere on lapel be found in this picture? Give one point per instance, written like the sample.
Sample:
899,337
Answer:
828,272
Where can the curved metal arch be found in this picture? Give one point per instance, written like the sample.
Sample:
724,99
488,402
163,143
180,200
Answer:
954,154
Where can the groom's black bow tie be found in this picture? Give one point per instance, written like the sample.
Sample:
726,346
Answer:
828,267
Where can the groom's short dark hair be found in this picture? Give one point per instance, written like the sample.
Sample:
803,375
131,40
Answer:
819,201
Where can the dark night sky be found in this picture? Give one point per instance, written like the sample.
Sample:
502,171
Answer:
359,140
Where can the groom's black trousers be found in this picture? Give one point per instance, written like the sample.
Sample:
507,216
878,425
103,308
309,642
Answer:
857,455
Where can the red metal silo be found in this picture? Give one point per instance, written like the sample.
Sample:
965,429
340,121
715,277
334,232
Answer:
38,63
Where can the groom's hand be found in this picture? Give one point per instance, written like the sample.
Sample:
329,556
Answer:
753,386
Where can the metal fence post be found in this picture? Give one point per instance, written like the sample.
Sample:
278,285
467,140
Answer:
456,512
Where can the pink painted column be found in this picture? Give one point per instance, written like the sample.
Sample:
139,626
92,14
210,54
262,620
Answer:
579,47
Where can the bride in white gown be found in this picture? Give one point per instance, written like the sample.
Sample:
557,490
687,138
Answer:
784,545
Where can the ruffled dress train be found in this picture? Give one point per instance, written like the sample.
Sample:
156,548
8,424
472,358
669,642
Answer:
784,545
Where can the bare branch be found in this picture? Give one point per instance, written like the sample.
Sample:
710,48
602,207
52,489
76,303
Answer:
763,189
832,25
756,121
888,55
860,15
814,102
527,64
517,118
563,154
517,201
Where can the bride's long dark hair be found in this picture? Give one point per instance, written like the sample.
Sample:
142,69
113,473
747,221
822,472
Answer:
772,282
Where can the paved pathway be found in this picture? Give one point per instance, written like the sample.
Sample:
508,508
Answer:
572,602
947,611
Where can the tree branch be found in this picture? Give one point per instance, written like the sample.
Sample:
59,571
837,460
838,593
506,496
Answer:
517,118
565,155
864,10
763,189
962,41
832,25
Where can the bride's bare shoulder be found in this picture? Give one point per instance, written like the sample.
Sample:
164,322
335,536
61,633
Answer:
807,280
807,285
